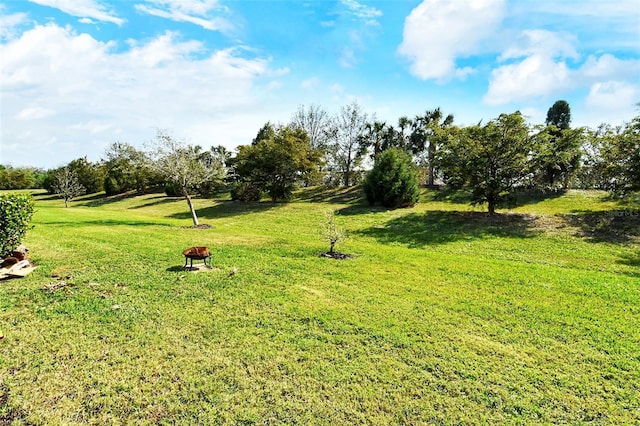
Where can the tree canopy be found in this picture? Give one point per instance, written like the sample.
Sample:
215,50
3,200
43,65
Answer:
276,163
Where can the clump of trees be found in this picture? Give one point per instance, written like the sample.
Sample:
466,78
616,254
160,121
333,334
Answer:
279,159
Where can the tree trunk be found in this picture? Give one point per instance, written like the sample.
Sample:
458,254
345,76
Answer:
66,202
193,211
492,206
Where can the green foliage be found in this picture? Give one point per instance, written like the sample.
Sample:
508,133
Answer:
17,178
621,158
91,176
277,162
127,169
393,181
245,191
556,156
492,159
559,115
16,211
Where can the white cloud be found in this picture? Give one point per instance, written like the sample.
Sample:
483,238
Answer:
533,77
613,95
82,9
34,113
310,83
438,32
10,23
197,12
543,43
366,13
100,95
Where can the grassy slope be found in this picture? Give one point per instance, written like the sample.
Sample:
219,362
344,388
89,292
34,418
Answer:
444,316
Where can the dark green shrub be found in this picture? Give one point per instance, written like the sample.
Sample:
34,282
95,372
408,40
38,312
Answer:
393,181
15,214
246,191
172,190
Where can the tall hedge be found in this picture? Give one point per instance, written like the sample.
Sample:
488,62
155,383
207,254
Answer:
15,214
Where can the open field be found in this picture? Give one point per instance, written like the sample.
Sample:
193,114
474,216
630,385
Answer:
444,316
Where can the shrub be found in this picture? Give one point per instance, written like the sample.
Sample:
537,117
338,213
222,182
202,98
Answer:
393,181
15,214
246,191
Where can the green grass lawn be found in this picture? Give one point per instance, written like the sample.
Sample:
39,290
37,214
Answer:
444,315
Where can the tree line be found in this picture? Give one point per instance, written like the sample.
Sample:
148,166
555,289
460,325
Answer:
492,159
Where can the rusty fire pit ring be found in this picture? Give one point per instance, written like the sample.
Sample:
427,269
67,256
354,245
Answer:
197,253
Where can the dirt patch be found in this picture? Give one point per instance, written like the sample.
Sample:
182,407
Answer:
201,226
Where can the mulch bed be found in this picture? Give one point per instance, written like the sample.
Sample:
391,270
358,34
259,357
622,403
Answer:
336,255
201,226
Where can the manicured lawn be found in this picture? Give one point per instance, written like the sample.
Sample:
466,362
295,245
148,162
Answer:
444,316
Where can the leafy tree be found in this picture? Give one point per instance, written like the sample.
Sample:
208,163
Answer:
492,159
16,211
275,164
556,156
559,115
621,157
557,148
345,153
393,181
90,176
66,185
184,166
427,133
127,169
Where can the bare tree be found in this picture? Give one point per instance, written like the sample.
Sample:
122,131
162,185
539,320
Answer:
316,121
185,166
346,154
66,185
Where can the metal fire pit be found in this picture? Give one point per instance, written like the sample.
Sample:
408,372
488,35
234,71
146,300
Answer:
197,253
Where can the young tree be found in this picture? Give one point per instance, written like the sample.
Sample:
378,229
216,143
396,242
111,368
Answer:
66,185
331,231
184,166
393,181
275,164
345,151
491,159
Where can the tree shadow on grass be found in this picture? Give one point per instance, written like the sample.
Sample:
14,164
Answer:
612,226
102,222
518,198
320,194
158,200
441,227
228,209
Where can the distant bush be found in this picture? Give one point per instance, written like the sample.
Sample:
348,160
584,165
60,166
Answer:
393,181
15,214
246,191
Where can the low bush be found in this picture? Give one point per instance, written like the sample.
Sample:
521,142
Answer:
15,214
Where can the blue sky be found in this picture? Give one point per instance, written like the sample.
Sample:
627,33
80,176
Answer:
78,75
